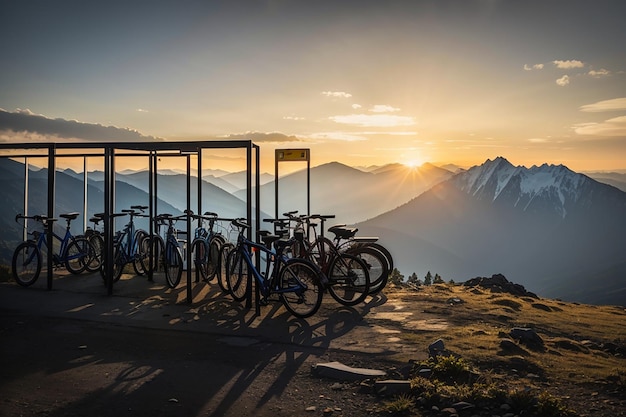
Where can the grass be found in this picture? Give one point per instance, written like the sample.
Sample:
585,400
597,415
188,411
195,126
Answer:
572,356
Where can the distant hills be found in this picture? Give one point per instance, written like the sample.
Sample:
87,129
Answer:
559,233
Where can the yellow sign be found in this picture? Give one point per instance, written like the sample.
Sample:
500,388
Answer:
292,154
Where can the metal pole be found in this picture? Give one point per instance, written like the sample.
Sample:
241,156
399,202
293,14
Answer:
188,251
85,178
51,186
25,230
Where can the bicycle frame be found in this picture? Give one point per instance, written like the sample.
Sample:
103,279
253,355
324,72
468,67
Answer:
58,257
275,261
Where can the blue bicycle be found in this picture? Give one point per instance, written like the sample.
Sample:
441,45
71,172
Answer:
129,245
75,252
296,281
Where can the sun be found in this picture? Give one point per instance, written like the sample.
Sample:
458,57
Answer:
411,163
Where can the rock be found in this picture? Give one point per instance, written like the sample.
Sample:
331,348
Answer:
527,336
337,370
510,347
462,405
436,348
392,387
498,283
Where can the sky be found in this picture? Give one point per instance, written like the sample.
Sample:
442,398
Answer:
359,82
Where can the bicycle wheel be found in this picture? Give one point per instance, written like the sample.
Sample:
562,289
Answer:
97,242
301,290
349,281
141,264
376,263
26,263
237,275
173,264
155,256
200,258
78,255
213,260
226,249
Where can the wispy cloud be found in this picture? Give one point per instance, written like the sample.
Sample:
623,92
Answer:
374,120
356,106
605,105
611,127
275,137
383,108
23,123
336,94
563,81
572,63
337,136
297,118
599,73
140,110
533,67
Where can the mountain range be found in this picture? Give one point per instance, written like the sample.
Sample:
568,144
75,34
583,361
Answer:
558,232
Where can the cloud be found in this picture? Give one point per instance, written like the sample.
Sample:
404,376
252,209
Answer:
374,120
336,94
605,105
383,108
276,137
533,67
572,63
337,136
563,81
23,123
599,73
356,106
611,127
293,118
140,110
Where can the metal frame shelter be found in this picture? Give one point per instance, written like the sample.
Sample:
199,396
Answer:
153,151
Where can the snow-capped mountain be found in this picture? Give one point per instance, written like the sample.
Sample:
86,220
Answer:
545,227
545,187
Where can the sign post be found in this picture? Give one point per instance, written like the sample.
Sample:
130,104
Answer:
286,155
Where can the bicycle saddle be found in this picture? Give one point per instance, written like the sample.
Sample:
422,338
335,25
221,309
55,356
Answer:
69,216
343,232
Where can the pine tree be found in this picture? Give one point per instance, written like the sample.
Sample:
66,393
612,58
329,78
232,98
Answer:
414,279
428,279
396,277
438,279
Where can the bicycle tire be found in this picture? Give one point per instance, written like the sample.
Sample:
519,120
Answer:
199,251
97,242
155,257
376,263
26,263
237,275
118,264
301,290
141,264
213,258
222,268
348,279
78,255
173,264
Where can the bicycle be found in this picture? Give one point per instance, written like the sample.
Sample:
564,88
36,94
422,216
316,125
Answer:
129,245
347,275
166,252
295,281
74,252
206,246
96,238
375,255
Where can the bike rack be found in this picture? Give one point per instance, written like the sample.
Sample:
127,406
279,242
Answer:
153,150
